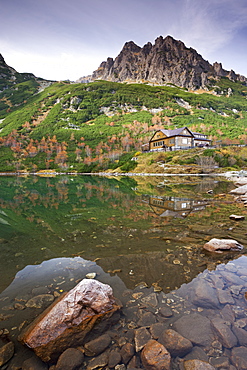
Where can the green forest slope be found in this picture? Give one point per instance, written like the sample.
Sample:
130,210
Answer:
102,125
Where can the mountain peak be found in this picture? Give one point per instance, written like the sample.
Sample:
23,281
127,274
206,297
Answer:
130,46
166,61
2,59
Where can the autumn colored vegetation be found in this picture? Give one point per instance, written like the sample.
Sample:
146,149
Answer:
101,125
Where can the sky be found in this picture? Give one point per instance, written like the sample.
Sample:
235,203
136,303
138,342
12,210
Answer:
68,39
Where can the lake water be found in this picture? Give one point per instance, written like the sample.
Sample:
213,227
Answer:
128,230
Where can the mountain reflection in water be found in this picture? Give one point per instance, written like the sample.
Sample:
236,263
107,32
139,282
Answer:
139,235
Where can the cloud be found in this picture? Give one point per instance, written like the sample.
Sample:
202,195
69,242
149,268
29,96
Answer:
49,37
209,25
62,66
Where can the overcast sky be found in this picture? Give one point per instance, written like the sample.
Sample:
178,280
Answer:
67,39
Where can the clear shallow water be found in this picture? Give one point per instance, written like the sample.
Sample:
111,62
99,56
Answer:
127,230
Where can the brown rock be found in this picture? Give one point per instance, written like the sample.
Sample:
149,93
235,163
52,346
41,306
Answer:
155,356
241,335
98,362
98,345
165,311
114,358
157,329
197,365
127,352
142,336
220,245
134,363
34,363
6,352
175,343
66,323
197,353
239,357
71,359
40,301
221,362
224,333
147,319
150,300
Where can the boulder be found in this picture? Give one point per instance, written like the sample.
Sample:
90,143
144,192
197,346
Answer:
220,245
237,217
240,190
68,320
155,356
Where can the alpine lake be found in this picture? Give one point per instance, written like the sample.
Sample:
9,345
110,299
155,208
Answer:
142,235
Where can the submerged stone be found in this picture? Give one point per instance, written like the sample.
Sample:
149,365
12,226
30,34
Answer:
204,295
239,357
6,352
98,345
155,356
175,343
224,333
197,365
70,359
196,328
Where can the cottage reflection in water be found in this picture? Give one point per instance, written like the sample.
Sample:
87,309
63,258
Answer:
173,206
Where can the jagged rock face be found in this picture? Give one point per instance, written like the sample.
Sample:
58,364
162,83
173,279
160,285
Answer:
167,61
10,77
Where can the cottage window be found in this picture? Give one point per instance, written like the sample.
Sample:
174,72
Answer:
184,141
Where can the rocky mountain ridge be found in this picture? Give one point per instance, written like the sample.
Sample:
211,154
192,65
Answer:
10,77
167,61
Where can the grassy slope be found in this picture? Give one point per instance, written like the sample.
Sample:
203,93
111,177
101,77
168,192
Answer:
75,114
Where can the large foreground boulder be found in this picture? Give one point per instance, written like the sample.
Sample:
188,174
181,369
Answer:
220,245
67,322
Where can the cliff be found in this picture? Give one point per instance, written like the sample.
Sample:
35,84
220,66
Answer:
168,61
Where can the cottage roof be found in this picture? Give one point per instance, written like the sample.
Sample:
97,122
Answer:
177,131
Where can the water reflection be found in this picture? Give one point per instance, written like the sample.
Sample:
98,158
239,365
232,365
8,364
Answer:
111,221
174,206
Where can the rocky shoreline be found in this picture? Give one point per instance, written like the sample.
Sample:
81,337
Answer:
201,325
231,175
